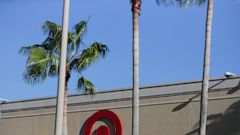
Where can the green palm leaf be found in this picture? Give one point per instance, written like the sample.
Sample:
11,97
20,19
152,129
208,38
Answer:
51,28
53,67
80,30
53,41
86,86
43,59
37,55
36,70
34,74
89,56
28,49
180,3
40,64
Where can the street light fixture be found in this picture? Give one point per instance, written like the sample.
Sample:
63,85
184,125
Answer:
229,74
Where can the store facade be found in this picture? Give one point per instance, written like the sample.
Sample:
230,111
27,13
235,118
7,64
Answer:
171,109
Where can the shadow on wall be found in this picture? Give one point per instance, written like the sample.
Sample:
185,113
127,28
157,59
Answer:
226,123
184,104
234,89
82,129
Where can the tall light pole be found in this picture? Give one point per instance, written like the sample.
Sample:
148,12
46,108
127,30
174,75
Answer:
62,73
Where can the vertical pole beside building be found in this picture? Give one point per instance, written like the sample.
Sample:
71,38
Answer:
135,93
62,73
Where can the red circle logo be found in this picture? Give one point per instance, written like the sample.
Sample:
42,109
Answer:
114,126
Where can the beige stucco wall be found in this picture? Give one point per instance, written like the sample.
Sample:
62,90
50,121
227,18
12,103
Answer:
159,115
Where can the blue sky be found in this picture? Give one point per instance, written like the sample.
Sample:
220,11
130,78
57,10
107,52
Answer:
171,42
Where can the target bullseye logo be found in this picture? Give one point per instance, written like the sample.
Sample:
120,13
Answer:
113,124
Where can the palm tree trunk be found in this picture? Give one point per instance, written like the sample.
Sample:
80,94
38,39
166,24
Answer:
65,114
135,109
65,129
206,66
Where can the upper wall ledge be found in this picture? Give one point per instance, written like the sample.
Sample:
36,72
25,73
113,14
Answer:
118,94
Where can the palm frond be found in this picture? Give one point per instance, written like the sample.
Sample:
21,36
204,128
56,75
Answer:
26,50
86,86
53,41
36,67
43,59
36,55
75,38
89,56
40,64
72,49
53,66
35,74
80,29
186,3
180,3
51,28
36,70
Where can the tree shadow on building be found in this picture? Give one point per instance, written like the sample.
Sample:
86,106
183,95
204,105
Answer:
82,129
234,89
184,104
226,123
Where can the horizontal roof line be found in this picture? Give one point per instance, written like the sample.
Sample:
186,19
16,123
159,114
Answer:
126,94
122,89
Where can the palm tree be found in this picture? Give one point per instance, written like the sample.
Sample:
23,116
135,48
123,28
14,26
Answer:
206,68
43,59
206,64
136,6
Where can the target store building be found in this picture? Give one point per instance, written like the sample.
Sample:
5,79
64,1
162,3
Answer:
170,109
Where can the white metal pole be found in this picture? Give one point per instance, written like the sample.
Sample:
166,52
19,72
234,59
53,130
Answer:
62,73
